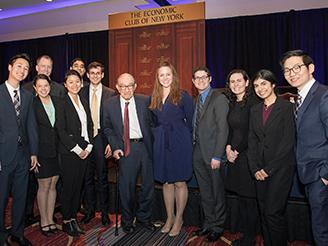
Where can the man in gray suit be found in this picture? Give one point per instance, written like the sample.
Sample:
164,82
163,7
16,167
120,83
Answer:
18,147
210,135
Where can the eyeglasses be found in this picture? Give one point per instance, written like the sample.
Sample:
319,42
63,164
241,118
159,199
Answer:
95,74
295,69
126,87
201,78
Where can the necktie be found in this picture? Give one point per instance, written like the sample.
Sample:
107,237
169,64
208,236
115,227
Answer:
199,110
297,105
126,132
17,106
94,112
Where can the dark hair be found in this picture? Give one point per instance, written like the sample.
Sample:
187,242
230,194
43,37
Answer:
20,56
72,72
307,60
41,76
266,75
201,68
230,95
75,60
96,64
45,57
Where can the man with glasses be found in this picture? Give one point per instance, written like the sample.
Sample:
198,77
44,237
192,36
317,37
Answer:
96,94
127,126
311,116
210,134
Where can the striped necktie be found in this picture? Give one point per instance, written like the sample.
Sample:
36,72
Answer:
199,109
17,105
298,104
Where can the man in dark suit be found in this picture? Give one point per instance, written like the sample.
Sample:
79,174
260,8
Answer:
18,146
44,65
96,94
210,135
78,65
311,114
127,122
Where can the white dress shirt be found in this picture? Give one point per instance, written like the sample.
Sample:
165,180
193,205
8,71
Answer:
305,90
84,126
135,130
11,90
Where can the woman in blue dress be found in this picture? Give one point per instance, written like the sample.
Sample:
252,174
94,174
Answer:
173,112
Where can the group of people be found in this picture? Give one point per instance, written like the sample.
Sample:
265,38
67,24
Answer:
166,138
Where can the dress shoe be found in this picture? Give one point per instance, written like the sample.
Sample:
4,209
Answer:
105,220
77,227
45,230
213,236
70,229
88,217
21,241
129,228
148,225
53,228
200,232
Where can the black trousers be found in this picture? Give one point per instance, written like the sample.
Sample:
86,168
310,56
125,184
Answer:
137,162
96,177
72,173
272,195
14,178
211,192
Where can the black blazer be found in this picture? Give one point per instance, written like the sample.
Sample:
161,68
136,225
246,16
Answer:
48,139
271,146
113,123
69,126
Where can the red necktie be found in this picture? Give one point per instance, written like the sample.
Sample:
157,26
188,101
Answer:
126,137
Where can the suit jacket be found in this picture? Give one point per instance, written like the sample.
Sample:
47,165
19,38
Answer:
271,146
213,127
105,95
69,126
48,139
113,123
312,135
56,89
9,128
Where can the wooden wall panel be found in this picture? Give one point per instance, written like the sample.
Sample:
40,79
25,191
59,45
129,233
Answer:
140,50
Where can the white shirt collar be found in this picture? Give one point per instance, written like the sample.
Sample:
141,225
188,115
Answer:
305,90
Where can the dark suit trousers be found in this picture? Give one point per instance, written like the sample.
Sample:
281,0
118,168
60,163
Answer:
72,171
96,167
272,195
317,193
137,162
211,191
14,177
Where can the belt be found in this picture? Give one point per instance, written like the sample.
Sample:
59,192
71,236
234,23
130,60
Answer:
136,140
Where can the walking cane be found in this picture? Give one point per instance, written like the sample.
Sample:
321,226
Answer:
117,201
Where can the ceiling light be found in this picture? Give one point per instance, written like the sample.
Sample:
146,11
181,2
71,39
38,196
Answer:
49,0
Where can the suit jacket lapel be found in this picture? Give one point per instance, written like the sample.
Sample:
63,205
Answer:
306,103
273,114
117,108
43,111
139,113
206,103
258,118
8,100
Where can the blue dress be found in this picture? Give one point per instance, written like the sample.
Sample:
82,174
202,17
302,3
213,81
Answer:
173,141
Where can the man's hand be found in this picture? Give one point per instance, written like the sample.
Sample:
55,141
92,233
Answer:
84,154
325,181
118,153
34,163
108,151
261,175
215,164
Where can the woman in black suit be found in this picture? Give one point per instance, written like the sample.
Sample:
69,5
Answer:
45,107
239,180
271,156
75,131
